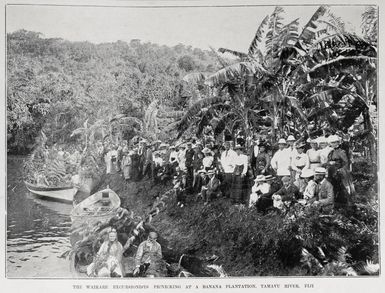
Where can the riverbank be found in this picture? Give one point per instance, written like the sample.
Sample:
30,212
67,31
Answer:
247,243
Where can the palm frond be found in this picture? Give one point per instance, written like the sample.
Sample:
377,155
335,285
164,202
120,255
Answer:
234,71
196,108
274,28
253,48
309,31
238,54
323,69
221,61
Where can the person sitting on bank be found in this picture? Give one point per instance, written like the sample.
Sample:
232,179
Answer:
108,261
324,191
148,257
309,194
212,189
260,187
289,192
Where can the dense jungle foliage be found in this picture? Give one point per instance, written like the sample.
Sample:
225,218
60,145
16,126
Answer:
56,85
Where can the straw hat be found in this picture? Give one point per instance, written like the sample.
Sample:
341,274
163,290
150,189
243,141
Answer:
290,138
206,151
260,178
334,138
299,145
211,172
321,139
320,170
281,141
269,177
306,173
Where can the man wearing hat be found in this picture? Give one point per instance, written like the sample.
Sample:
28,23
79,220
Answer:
281,159
158,166
324,191
298,163
211,190
292,153
189,155
289,192
262,160
338,172
227,160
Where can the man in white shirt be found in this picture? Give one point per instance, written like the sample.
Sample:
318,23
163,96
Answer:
292,153
227,162
281,160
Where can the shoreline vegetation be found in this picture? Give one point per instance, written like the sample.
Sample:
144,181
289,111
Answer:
68,101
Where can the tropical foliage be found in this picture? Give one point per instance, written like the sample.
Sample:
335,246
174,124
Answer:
56,85
294,80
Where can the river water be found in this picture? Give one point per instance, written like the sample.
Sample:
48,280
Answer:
37,230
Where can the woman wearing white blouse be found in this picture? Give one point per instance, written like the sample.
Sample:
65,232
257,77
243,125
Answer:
240,170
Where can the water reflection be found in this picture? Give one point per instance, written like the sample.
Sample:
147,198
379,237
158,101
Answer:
37,230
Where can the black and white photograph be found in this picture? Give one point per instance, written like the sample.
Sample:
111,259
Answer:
191,139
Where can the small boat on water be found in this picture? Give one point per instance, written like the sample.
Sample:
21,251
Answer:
64,193
98,206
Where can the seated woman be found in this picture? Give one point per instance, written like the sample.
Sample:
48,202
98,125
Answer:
108,261
260,187
266,201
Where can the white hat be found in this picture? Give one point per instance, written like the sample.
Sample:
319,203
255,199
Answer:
306,173
163,145
312,140
320,170
321,139
290,138
281,141
334,138
260,178
206,151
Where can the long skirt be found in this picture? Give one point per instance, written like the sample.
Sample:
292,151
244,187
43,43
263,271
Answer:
226,184
342,184
237,189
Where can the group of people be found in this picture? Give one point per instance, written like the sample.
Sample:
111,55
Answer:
54,166
311,172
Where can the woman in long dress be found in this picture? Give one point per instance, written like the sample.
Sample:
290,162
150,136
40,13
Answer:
238,185
108,261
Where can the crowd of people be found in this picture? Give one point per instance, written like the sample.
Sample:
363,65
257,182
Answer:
312,172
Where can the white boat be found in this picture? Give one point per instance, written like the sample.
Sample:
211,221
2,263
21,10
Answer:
98,206
65,193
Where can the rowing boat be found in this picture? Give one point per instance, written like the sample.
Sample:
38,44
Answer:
64,193
98,206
